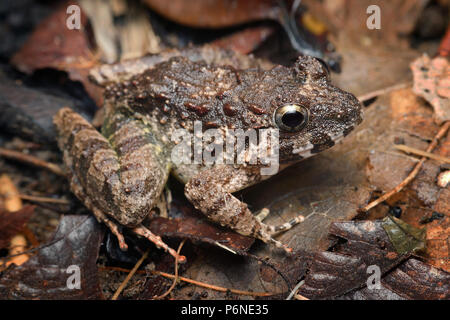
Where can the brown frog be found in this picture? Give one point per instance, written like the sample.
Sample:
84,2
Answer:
120,173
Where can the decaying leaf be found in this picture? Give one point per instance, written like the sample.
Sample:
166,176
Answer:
432,82
412,279
403,236
53,272
333,274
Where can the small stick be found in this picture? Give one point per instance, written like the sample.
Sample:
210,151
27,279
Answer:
197,283
43,199
415,151
22,157
213,287
175,279
300,297
380,92
295,294
413,173
132,272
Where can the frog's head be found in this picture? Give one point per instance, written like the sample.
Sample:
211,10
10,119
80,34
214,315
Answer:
310,113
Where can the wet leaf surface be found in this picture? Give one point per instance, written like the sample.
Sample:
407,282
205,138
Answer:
45,275
11,223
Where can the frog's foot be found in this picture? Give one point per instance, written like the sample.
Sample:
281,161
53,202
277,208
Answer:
112,226
282,227
266,232
143,231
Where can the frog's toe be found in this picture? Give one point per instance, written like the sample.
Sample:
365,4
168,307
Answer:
143,231
262,214
286,226
266,232
112,226
279,244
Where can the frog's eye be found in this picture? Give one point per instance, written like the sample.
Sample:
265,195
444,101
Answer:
291,117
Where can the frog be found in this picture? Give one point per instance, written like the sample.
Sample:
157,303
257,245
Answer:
119,173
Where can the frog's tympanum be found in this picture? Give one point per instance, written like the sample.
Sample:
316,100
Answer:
120,173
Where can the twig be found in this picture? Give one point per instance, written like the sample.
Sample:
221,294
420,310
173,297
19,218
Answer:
43,199
376,93
415,151
300,297
294,291
22,157
175,279
132,272
213,287
197,283
120,269
413,173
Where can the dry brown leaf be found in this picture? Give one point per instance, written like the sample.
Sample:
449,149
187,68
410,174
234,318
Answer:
53,45
432,82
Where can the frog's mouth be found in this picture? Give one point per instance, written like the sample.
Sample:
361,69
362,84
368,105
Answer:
311,149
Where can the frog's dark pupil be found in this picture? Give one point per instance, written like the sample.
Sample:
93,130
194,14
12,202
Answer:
292,118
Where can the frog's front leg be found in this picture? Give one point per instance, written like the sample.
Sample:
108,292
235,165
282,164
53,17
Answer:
119,178
210,192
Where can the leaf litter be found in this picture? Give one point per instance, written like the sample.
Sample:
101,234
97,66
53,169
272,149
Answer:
332,187
45,275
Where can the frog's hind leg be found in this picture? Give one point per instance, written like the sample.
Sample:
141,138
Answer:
117,178
210,192
77,189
